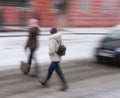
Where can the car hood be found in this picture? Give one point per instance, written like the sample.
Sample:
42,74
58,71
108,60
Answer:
111,44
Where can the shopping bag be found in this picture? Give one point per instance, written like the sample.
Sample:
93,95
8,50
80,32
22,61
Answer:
23,66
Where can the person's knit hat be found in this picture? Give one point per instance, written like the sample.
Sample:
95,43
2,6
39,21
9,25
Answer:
33,22
53,30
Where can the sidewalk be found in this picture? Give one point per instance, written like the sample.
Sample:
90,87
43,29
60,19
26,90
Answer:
85,80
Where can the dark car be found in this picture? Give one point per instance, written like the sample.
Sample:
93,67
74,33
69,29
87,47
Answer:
109,48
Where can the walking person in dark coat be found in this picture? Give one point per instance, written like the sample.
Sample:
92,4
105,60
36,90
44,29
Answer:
32,44
54,42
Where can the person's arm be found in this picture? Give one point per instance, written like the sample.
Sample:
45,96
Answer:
28,42
52,48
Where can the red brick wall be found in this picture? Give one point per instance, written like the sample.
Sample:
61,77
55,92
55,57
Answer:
73,16
10,15
94,18
43,8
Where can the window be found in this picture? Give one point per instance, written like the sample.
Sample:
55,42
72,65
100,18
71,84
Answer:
84,6
59,6
14,2
107,6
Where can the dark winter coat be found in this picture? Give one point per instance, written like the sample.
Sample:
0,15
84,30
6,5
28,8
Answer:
32,41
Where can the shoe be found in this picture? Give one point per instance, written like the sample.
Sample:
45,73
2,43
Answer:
44,84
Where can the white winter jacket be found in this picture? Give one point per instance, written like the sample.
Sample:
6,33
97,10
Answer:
54,42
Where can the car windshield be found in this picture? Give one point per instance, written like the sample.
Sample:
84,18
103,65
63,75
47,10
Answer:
114,34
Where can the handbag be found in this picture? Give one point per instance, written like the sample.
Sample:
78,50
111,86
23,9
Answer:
61,50
23,66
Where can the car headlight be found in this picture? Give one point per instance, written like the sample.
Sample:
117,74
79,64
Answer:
117,53
117,50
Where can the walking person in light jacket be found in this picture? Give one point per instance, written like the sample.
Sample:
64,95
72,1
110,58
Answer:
54,42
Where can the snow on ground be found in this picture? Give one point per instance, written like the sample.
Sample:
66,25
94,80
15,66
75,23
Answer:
78,46
12,49
90,30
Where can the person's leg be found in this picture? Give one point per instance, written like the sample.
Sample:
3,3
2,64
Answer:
30,59
61,76
59,72
49,74
50,71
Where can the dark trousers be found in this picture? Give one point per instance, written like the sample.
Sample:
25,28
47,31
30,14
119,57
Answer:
55,66
32,50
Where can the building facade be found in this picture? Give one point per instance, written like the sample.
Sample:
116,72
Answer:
70,13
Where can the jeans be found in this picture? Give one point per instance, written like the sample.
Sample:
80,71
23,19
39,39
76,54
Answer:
55,66
32,50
